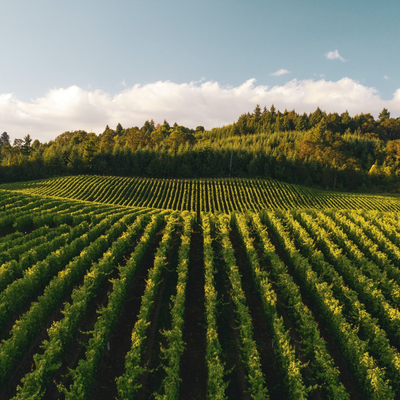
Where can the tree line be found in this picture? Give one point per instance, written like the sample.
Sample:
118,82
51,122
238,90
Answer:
329,150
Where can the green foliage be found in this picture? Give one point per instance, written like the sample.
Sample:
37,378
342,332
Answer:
250,355
314,270
325,150
174,337
205,195
216,385
127,384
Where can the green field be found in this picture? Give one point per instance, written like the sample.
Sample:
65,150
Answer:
136,288
205,195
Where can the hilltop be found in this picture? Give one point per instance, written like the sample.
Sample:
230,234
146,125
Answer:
324,150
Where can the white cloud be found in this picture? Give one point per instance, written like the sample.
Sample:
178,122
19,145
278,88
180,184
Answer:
280,72
386,77
334,55
204,103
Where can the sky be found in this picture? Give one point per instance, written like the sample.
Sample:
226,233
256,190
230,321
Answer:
83,64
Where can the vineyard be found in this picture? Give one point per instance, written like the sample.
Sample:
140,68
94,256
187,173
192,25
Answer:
210,289
208,195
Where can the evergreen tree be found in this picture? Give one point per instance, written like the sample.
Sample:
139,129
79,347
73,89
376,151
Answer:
119,129
384,115
26,145
4,138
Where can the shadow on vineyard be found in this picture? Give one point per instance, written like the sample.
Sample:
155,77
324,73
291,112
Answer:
193,366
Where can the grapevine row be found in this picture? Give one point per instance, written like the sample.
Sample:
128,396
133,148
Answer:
250,354
127,384
205,195
372,380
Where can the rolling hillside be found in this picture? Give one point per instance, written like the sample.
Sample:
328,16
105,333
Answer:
206,195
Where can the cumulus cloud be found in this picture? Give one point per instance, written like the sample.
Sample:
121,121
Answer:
334,55
280,72
204,103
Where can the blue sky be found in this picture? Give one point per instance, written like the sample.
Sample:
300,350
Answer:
83,64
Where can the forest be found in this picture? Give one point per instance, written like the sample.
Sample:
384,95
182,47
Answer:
324,150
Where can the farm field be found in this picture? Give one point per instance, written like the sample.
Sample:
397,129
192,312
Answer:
182,289
203,195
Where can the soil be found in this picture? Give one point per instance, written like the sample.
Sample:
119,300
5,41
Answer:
193,363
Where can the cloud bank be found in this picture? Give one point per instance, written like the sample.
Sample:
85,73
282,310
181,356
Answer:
191,104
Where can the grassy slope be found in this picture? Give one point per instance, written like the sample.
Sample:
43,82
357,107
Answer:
205,194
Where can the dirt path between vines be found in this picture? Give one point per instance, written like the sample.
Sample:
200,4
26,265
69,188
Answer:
193,363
